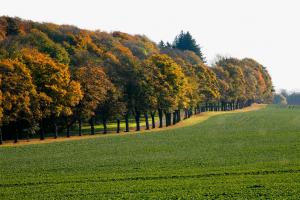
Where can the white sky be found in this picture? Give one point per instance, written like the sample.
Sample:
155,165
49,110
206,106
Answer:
266,30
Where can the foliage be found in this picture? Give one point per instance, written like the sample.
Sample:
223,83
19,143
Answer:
58,93
185,41
94,85
18,93
79,74
168,81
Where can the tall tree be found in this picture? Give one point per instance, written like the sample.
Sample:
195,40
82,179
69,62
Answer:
168,81
1,109
53,83
185,41
95,85
18,96
12,26
112,108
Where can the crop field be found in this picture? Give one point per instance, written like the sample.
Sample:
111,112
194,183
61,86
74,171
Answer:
247,155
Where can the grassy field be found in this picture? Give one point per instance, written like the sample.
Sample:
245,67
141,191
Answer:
252,155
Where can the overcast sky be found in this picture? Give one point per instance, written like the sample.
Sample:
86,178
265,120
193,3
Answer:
266,30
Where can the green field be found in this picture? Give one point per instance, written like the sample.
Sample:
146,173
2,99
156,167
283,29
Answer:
253,155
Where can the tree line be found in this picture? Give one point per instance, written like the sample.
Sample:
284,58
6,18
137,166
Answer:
284,97
53,76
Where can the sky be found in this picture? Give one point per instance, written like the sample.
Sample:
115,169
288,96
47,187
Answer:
266,30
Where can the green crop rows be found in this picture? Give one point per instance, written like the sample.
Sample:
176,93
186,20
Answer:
254,155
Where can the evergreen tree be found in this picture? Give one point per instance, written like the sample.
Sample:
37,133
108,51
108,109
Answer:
12,26
161,44
185,41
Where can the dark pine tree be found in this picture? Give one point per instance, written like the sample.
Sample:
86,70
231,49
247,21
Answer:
161,44
12,26
185,41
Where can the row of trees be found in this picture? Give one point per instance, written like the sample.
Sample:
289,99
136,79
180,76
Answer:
285,97
55,76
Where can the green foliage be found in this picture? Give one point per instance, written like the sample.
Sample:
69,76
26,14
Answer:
41,41
140,46
237,156
185,41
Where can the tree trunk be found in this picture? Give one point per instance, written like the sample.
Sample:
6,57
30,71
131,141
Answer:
79,127
118,125
42,132
91,121
55,129
16,136
167,119
153,119
160,115
68,125
137,121
104,125
126,123
178,115
174,117
1,139
147,121
68,130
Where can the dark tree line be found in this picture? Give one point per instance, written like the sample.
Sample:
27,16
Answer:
55,76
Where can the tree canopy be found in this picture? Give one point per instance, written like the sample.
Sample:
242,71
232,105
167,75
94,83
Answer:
54,75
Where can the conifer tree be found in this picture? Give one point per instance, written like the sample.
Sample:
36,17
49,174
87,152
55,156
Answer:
185,41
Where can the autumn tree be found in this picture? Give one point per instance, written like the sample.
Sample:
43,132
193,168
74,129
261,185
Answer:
1,110
18,96
95,86
112,108
136,77
53,83
224,86
203,87
168,82
140,46
41,41
236,81
209,89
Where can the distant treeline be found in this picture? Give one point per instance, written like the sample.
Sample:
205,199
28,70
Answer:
53,76
284,98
